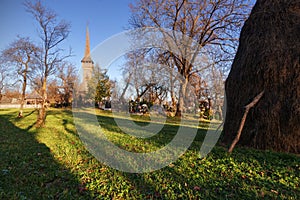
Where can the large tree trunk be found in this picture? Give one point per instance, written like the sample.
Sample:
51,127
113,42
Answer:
267,59
23,94
182,95
172,92
42,111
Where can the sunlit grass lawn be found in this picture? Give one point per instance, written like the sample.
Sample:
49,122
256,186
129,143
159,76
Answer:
52,163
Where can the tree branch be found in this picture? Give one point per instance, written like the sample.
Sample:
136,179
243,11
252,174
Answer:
247,108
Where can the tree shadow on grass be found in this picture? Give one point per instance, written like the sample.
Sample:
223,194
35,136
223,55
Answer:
163,137
29,113
243,175
223,176
28,170
61,114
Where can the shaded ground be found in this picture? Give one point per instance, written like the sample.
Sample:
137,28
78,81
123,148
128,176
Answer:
28,169
52,163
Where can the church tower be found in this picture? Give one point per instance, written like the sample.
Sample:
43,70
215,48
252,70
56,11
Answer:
87,63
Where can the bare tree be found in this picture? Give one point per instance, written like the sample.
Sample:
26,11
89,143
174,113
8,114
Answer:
53,92
127,80
52,33
22,54
217,90
209,25
3,76
164,59
67,76
143,77
131,73
36,84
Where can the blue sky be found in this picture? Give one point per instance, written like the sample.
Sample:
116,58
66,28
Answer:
105,18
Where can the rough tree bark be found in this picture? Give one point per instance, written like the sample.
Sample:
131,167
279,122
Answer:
267,59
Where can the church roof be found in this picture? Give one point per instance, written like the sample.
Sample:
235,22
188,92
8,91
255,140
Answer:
87,59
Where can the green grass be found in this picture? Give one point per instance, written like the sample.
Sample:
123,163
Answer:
52,163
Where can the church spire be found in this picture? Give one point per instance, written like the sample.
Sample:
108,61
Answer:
87,43
87,56
87,63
